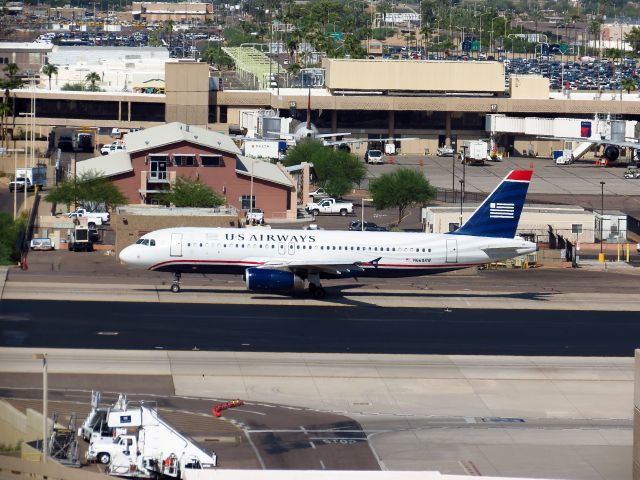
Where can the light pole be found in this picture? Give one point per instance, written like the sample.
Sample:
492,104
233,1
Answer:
43,357
362,212
461,200
601,257
15,185
26,150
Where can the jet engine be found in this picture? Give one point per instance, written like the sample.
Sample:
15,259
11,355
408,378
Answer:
611,153
263,279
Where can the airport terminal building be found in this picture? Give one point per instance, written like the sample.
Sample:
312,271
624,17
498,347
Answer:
439,102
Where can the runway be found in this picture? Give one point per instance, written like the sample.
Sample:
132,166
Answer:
312,328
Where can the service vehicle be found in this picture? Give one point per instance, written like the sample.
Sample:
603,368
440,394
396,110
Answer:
79,240
632,172
83,141
150,448
93,218
65,143
112,148
374,156
35,177
18,185
475,152
328,206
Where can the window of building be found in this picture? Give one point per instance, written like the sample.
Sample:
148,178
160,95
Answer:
184,160
246,201
211,160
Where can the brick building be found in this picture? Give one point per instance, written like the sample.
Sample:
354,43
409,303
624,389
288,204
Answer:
155,157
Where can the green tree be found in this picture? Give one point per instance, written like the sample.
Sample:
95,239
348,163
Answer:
93,77
90,190
402,188
12,69
216,56
9,234
629,84
336,171
5,111
49,70
168,29
186,192
633,37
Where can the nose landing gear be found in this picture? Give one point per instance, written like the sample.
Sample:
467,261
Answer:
315,288
175,286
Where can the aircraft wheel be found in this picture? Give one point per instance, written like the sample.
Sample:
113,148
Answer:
319,293
175,288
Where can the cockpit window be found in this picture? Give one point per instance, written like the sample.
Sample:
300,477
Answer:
144,241
152,243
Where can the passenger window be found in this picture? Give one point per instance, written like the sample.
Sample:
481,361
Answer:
188,244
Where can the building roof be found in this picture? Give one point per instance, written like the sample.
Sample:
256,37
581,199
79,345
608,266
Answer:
106,165
27,46
262,170
178,132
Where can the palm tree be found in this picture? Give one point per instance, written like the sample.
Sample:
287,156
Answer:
168,29
628,84
92,77
50,69
12,69
5,111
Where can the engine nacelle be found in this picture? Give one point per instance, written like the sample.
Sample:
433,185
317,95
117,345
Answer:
263,279
611,153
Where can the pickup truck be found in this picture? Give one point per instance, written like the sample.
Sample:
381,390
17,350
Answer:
329,206
95,218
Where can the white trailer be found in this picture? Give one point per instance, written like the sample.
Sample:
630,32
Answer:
151,447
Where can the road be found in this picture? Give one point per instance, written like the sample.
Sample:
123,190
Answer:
271,328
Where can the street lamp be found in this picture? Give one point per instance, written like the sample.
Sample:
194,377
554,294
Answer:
461,199
15,185
43,357
601,257
26,114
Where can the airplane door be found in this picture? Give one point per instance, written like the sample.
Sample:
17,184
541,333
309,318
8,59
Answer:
452,251
176,245
281,249
292,248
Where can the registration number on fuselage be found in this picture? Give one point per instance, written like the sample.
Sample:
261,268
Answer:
421,260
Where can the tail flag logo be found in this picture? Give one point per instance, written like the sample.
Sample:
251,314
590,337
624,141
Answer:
501,210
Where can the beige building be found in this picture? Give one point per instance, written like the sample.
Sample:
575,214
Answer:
179,12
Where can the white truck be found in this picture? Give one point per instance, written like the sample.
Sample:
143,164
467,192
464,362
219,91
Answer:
35,177
93,218
475,152
272,149
150,448
328,206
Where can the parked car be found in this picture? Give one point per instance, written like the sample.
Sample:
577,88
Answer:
445,152
318,193
41,244
255,215
374,156
356,226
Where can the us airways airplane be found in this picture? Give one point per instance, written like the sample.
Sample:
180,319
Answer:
286,260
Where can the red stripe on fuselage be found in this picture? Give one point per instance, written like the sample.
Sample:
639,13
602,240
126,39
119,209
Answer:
366,265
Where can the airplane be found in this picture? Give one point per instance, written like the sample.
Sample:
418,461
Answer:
286,260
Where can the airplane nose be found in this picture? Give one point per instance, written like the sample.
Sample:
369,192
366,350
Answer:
128,256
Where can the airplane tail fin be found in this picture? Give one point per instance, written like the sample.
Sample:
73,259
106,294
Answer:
499,214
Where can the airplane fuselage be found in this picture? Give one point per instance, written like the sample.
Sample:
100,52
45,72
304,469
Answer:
378,254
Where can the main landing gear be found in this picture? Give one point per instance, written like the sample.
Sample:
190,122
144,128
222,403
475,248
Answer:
175,286
315,288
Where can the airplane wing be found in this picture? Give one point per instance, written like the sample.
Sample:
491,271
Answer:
596,141
319,266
